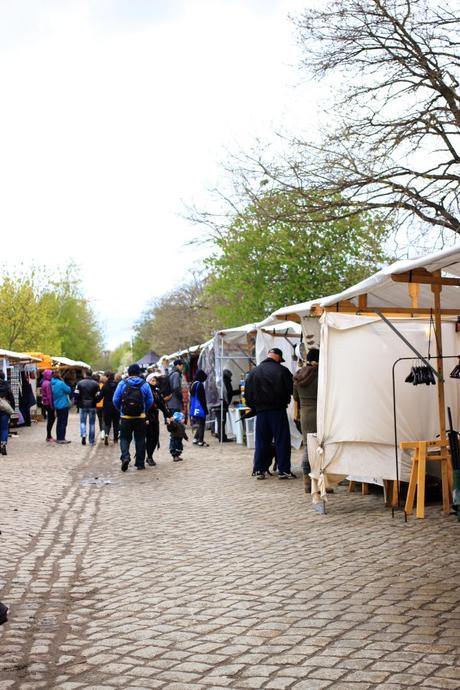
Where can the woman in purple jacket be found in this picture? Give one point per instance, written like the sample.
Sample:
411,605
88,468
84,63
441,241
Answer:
47,402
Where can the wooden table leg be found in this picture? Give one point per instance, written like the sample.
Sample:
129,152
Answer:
412,484
421,476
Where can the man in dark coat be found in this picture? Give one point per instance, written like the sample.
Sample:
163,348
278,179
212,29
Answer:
268,391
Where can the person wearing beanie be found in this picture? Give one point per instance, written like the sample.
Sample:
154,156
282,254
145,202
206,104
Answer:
86,391
152,423
48,405
132,398
198,407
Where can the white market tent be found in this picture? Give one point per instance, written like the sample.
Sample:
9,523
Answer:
356,432
71,363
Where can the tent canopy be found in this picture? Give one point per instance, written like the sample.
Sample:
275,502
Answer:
148,359
388,288
18,356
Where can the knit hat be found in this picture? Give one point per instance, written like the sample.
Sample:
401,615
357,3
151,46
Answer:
134,370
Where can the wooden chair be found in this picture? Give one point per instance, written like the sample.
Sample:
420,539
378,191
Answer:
423,451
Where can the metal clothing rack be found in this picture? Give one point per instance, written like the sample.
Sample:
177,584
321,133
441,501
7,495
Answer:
425,360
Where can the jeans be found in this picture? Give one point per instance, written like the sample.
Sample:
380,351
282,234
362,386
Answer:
112,418
273,425
91,413
128,427
4,424
50,419
61,423
175,446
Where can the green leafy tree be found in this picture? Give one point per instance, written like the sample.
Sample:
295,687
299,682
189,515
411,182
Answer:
46,313
275,252
26,319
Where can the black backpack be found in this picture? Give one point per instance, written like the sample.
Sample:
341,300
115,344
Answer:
132,400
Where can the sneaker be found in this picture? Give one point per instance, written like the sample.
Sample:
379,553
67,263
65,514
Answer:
195,442
203,444
64,441
284,475
83,440
177,458
124,465
150,461
51,440
3,449
102,435
260,475
106,441
140,467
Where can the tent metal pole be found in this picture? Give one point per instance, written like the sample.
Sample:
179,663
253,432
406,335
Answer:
221,429
436,289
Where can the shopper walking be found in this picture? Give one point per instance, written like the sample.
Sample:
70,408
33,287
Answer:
6,394
152,422
132,398
198,407
268,391
111,414
61,392
87,391
47,404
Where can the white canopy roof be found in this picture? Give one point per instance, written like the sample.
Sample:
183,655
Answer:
382,291
19,356
66,362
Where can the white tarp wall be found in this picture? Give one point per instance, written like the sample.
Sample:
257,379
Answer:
355,403
285,336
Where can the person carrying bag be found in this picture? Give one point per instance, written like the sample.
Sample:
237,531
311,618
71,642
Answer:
198,408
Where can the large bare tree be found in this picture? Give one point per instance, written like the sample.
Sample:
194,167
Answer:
392,141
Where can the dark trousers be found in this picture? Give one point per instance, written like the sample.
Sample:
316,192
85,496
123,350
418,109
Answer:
100,417
112,419
128,428
199,423
221,421
152,434
61,423
50,419
273,426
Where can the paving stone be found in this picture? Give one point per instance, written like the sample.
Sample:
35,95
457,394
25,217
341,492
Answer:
146,583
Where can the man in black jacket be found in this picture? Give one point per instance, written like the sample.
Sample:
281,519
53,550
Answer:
87,391
268,391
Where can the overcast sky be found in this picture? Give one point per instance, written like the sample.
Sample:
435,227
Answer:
116,112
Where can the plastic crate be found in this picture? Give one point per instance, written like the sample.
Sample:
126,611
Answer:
250,428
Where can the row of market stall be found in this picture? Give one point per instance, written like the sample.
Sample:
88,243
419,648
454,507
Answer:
372,337
23,372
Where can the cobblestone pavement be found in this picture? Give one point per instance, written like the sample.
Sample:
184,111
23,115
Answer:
195,576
